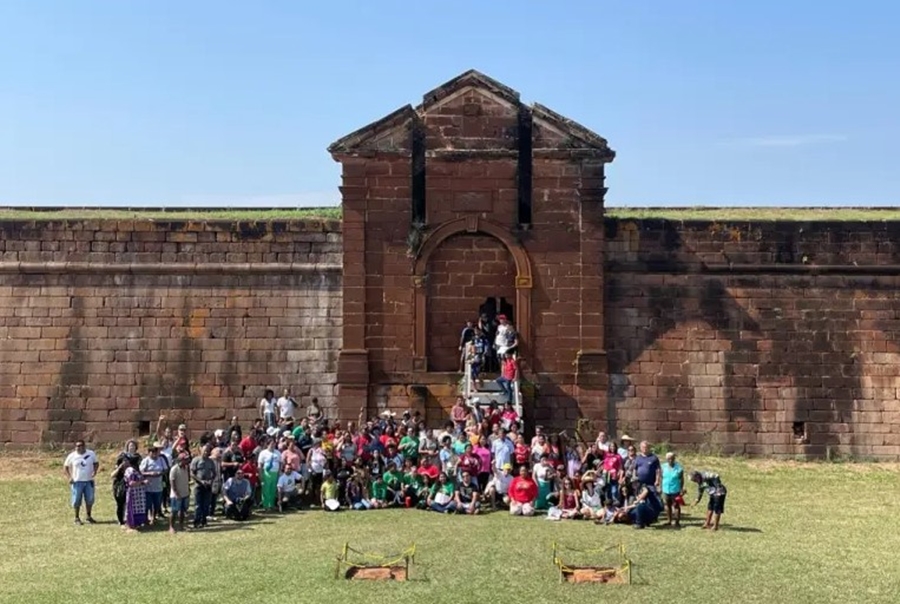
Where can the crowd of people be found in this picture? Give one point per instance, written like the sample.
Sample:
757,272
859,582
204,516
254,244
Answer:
477,461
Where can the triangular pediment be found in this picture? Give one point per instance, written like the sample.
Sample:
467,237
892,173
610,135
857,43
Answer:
394,132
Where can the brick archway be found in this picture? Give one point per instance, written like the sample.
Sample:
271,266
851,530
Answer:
523,280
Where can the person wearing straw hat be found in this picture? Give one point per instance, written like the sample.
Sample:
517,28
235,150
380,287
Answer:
591,496
624,442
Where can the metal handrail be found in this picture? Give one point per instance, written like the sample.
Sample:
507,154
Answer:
469,391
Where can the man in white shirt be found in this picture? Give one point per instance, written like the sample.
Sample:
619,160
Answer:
498,486
286,405
287,488
81,467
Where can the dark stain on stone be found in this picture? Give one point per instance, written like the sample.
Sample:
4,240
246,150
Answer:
251,230
65,420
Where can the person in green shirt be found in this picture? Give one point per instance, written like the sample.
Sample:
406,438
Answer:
411,482
392,480
409,447
441,498
379,493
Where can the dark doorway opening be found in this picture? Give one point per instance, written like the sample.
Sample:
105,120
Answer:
494,307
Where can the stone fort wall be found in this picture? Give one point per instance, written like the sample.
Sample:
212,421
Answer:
763,338
104,325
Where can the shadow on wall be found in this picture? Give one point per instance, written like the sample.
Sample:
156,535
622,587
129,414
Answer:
789,349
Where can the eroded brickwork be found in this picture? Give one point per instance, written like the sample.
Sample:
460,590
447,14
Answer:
767,338
105,325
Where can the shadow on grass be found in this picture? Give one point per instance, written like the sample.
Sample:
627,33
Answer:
739,529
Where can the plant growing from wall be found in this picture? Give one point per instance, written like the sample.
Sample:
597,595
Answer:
415,238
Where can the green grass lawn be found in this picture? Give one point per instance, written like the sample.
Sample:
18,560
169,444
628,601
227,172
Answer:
792,533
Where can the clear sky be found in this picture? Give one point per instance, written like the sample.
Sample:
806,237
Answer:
226,103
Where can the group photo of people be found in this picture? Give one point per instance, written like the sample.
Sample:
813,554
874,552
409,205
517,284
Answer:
478,461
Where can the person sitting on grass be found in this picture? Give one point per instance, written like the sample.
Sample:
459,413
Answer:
498,487
569,500
710,483
409,483
442,496
357,495
328,493
591,498
523,491
646,508
468,499
288,494
379,492
609,511
238,495
392,480
424,491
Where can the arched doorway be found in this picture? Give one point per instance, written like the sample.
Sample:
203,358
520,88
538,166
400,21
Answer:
477,235
467,274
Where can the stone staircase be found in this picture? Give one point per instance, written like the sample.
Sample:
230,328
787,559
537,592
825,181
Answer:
487,392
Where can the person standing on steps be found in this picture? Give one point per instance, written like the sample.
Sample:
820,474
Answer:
267,407
466,335
81,467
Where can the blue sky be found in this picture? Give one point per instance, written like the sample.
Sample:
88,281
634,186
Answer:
706,102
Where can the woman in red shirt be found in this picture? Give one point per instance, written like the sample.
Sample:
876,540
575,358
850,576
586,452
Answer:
523,490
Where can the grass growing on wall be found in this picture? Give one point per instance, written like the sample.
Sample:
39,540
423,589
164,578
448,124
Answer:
334,213
261,215
756,214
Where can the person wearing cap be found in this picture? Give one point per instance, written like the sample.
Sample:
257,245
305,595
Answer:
672,488
238,495
81,467
152,468
179,490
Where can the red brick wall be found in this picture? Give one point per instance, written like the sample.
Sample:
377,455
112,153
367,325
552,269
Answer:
730,336
462,274
193,320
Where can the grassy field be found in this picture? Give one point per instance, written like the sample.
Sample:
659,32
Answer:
738,214
792,533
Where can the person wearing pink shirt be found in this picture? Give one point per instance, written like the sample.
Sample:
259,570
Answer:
612,467
483,451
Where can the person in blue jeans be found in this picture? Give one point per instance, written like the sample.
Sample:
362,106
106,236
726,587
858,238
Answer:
203,471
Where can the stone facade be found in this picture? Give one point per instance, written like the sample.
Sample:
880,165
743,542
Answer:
472,196
763,338
106,325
